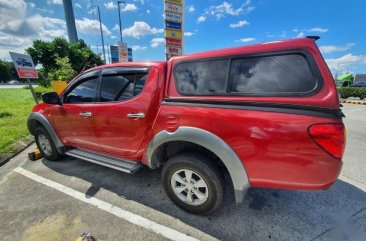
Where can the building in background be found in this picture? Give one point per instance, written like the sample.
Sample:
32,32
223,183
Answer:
130,59
114,54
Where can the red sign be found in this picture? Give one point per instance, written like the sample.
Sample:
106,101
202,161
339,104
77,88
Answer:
27,73
172,41
173,50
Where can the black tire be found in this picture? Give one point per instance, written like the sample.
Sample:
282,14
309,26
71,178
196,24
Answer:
54,155
205,168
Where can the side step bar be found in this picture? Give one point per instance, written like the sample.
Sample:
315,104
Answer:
112,162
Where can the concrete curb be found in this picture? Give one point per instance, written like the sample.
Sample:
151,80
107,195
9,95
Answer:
3,161
356,102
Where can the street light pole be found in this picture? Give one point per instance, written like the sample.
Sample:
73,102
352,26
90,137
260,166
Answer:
101,33
119,17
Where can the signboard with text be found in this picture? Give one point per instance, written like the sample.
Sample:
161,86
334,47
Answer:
174,24
175,17
176,34
122,52
24,65
172,41
172,8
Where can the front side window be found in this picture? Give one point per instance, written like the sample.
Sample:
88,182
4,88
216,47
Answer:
271,75
202,78
120,87
84,92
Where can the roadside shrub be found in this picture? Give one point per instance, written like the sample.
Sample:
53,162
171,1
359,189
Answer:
40,90
26,87
346,92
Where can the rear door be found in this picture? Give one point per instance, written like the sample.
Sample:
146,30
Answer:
123,113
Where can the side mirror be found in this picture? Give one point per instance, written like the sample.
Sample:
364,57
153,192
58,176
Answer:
51,98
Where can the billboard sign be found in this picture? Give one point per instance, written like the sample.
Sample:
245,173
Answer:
24,65
114,54
122,52
173,25
176,34
172,41
173,50
175,17
172,8
179,2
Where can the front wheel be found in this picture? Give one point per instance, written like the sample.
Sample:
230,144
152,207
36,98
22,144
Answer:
193,182
45,144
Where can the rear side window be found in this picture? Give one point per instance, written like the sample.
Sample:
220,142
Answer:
278,75
122,87
202,78
271,75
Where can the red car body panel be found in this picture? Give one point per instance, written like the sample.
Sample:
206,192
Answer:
274,147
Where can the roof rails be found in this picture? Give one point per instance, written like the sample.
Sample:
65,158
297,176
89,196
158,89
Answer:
315,38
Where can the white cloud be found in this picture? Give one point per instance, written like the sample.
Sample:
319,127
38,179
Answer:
295,30
301,35
90,26
57,2
319,30
189,34
245,40
138,48
238,24
77,5
326,49
113,37
129,7
226,8
345,62
155,42
31,4
116,28
140,29
191,9
110,5
201,19
147,11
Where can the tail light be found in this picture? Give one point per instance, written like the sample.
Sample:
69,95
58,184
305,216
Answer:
330,137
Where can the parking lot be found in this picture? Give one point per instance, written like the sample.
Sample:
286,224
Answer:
45,200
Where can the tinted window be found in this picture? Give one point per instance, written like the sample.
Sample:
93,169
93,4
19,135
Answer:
84,92
202,78
271,74
122,86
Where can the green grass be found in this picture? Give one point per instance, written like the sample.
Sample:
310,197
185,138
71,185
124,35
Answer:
15,107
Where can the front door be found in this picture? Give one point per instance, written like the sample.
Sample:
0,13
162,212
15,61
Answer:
123,112
74,119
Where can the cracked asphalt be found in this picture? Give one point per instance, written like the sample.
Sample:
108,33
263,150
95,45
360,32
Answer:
30,210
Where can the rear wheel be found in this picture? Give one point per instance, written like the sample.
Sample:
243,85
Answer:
45,144
193,182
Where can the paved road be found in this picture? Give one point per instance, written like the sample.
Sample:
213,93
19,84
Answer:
71,196
14,86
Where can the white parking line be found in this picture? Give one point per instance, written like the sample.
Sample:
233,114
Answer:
119,212
358,109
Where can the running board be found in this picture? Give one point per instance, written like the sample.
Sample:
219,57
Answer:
112,162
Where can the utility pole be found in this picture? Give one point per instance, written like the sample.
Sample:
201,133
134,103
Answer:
70,21
119,17
101,32
109,54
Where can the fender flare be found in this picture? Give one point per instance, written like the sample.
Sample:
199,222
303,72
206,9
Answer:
211,142
35,116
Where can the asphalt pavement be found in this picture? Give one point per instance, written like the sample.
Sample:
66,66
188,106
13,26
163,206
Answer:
45,200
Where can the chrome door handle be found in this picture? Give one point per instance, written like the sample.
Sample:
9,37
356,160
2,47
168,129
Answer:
85,114
136,115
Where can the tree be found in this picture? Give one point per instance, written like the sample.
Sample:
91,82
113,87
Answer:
64,71
7,71
79,56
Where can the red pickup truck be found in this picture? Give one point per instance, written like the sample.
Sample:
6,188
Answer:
266,114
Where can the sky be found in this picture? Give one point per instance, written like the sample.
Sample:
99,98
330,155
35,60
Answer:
208,24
